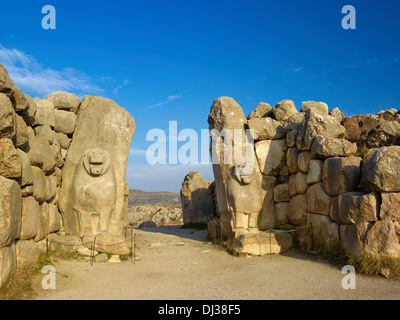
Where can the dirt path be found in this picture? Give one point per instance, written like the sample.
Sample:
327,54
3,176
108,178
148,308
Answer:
179,264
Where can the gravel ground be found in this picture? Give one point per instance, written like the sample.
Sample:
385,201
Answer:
180,264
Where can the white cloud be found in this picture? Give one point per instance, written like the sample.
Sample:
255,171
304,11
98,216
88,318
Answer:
168,99
116,90
32,77
137,152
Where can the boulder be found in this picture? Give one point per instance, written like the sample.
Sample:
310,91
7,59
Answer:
323,230
352,238
292,160
7,117
318,107
29,114
315,124
8,257
10,211
27,253
64,101
292,185
263,110
39,184
6,84
283,110
64,243
271,156
197,200
266,218
382,171
44,113
262,243
381,241
301,183
266,128
324,147
355,207
22,132
63,140
64,121
357,124
298,210
384,134
51,187
314,174
10,164
29,220
281,193
19,101
390,206
26,177
304,161
281,213
335,112
340,175
317,200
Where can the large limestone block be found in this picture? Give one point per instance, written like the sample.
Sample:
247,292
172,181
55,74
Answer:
19,101
64,121
10,164
29,114
266,219
6,84
64,101
64,243
314,174
10,211
298,210
283,110
324,147
318,107
262,243
53,218
382,171
262,110
44,113
304,161
7,117
91,198
281,193
381,241
324,231
281,213
266,128
29,220
292,159
390,206
301,183
225,114
39,184
197,200
27,252
315,124
317,200
340,175
384,134
26,170
8,263
355,207
352,238
271,156
22,132
51,187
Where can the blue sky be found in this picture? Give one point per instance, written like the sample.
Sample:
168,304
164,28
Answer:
168,60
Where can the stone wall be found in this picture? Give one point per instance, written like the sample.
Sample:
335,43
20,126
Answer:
332,179
35,140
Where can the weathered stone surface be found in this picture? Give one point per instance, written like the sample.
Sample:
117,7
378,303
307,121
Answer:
39,184
63,140
292,159
381,241
318,107
44,113
8,262
301,183
281,193
283,110
108,243
281,213
263,110
93,177
314,174
340,175
64,101
197,200
384,134
352,238
51,187
7,117
324,231
42,154
266,219
42,230
382,171
317,200
390,206
304,161
6,84
292,185
355,207
19,101
29,220
64,243
266,128
324,147
10,211
271,155
291,137
53,223
22,132
335,112
46,132
357,124
29,114
64,121
262,243
26,170
10,164
315,124
297,210
27,252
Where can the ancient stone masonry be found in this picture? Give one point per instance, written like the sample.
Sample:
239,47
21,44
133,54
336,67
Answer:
326,178
62,174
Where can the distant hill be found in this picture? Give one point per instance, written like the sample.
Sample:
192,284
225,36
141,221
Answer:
163,199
